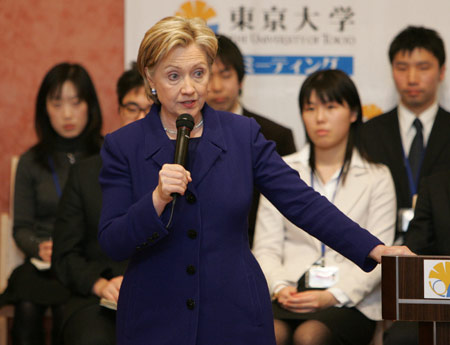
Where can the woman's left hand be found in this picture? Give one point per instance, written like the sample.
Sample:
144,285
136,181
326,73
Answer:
310,301
381,250
45,250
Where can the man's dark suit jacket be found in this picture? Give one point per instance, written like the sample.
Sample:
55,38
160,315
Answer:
429,231
381,136
77,257
284,141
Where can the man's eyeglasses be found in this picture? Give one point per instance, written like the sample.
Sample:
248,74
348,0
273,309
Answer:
135,109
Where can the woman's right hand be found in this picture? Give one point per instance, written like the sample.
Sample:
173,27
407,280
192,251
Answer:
108,289
173,178
285,294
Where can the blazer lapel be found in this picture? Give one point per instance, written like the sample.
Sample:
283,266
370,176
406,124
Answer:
160,149
438,139
210,146
392,138
355,177
448,194
394,149
158,146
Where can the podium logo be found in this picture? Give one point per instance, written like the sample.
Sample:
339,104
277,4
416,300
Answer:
436,279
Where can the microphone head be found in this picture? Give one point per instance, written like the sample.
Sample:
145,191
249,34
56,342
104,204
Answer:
185,120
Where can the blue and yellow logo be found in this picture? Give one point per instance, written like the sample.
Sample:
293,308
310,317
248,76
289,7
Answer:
192,9
439,279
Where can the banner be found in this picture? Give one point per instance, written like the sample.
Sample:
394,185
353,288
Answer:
285,40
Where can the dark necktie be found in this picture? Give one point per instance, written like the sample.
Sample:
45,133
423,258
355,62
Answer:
416,151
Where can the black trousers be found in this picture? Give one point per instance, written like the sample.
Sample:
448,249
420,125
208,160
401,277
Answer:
402,333
92,325
28,328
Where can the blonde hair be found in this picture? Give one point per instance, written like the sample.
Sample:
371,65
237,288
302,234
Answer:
171,32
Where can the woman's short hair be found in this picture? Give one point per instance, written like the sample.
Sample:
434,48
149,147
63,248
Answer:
169,33
51,88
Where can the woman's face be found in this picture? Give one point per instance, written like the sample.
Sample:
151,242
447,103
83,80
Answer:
68,114
327,124
181,81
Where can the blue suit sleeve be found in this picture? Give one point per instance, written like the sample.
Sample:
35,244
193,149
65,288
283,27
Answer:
126,225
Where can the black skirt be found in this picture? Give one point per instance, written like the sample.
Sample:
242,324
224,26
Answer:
348,325
27,283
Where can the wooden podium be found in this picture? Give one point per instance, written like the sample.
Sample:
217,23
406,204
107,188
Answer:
403,296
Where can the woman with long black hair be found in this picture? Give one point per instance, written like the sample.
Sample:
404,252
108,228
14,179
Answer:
68,123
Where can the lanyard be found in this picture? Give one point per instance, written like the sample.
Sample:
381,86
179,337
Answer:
413,185
322,255
55,176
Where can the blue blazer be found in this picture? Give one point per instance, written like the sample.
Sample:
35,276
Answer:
198,283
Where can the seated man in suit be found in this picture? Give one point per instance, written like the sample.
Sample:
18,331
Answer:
412,139
428,233
77,257
225,87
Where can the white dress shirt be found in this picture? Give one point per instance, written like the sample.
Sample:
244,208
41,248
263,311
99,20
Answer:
407,129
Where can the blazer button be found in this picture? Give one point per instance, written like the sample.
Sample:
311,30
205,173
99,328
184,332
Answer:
190,303
155,236
190,269
190,198
192,234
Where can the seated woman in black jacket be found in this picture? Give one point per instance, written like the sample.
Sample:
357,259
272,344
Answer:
68,123
78,260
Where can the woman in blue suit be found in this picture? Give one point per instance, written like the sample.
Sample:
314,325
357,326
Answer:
196,281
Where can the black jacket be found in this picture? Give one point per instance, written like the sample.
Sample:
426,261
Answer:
77,257
429,231
382,140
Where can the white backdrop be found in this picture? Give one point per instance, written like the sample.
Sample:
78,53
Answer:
283,40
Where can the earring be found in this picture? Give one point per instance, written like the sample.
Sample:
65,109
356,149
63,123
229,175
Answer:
153,92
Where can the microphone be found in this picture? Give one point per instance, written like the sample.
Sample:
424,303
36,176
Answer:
185,123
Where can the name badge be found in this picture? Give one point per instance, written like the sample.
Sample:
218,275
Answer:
405,215
322,277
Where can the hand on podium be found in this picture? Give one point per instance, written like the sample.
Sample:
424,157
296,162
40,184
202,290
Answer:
381,250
